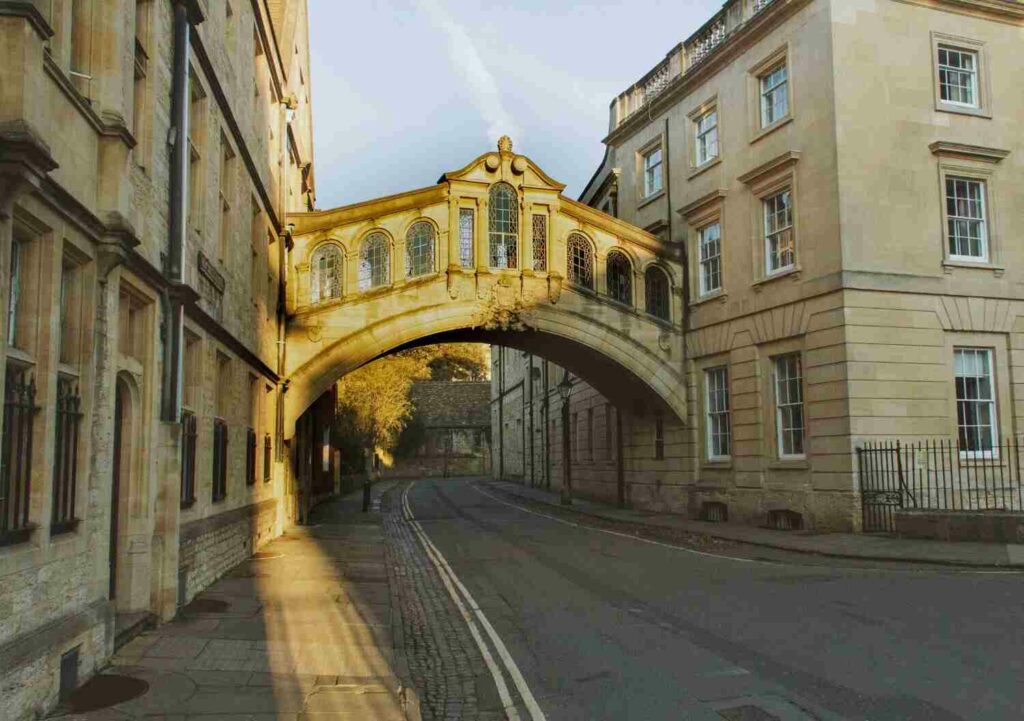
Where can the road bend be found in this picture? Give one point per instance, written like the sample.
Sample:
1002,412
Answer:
576,622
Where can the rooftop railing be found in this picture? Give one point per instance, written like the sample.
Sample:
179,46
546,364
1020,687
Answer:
685,57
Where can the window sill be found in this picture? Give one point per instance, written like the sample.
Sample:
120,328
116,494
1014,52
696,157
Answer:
982,112
719,295
789,464
791,272
20,535
19,355
645,201
701,169
717,464
768,130
68,526
185,505
950,263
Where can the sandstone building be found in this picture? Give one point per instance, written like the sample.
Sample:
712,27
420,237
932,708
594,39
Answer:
149,151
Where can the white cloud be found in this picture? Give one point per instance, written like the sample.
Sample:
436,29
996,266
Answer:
466,59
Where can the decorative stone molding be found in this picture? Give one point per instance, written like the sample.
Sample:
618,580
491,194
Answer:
778,164
975,314
968,152
765,327
24,161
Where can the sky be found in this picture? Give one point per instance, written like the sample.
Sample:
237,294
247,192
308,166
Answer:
405,90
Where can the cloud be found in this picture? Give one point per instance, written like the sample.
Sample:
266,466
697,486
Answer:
468,63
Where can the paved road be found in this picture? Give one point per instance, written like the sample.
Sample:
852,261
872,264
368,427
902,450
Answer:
607,627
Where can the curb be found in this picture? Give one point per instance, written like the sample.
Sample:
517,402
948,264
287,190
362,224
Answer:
955,563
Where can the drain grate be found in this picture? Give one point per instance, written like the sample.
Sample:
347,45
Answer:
105,691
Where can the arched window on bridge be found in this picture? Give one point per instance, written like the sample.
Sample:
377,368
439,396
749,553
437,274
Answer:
419,249
619,275
656,291
503,210
580,260
325,274
374,261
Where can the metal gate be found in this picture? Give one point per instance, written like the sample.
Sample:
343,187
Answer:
882,485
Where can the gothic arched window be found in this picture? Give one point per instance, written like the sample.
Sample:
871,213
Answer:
419,249
580,260
619,274
325,273
656,291
374,261
503,211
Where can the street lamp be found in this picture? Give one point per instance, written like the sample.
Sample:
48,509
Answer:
565,390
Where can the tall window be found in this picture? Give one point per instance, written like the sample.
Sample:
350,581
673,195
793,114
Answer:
540,241
774,95
580,260
975,400
710,258
227,195
16,452
189,439
716,404
503,210
965,214
374,261
139,93
467,236
14,292
652,172
656,293
325,273
779,250
65,457
958,76
419,249
619,275
789,406
706,140
196,141
659,438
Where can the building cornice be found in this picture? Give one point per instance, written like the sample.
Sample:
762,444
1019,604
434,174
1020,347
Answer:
1006,11
27,10
970,152
317,220
702,202
778,163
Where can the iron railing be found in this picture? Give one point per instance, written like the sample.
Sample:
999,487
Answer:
937,475
16,453
250,456
65,457
220,460
189,438
267,457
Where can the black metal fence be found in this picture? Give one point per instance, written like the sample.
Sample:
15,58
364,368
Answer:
65,460
189,437
220,459
16,453
250,456
937,475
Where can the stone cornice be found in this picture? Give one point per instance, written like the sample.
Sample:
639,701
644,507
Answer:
114,128
25,161
27,10
777,164
691,208
1007,11
367,210
970,152
734,45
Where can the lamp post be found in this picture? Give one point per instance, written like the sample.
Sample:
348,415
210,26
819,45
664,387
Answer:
564,391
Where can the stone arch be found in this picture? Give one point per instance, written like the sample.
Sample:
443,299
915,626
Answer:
573,338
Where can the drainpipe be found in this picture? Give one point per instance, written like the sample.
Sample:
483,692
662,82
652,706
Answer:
501,413
533,480
174,266
547,430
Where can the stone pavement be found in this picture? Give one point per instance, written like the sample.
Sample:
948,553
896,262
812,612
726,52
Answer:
303,630
841,545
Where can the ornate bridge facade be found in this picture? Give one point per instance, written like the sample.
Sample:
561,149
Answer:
493,253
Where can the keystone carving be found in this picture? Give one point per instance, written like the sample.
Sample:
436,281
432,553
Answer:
554,288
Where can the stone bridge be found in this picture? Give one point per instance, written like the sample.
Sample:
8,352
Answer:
492,253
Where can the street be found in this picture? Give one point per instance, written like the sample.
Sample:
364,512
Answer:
602,626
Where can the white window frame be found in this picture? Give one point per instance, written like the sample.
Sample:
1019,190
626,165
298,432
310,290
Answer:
781,406
766,91
974,74
768,211
951,220
707,260
713,413
705,139
653,171
991,401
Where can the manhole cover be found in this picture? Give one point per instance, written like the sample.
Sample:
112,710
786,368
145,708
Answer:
746,713
207,605
105,691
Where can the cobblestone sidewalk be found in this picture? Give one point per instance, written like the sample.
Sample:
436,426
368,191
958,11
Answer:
443,660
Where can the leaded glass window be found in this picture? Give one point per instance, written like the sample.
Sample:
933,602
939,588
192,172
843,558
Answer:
580,260
419,249
620,277
504,226
540,242
965,212
374,261
325,273
656,293
467,220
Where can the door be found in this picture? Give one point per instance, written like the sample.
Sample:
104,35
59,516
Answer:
115,487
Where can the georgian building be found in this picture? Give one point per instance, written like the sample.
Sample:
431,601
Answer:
149,150
845,182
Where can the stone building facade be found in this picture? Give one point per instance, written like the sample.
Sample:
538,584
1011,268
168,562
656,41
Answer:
149,150
844,180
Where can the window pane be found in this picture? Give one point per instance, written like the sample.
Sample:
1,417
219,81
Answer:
789,405
504,226
419,249
975,399
466,235
374,262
